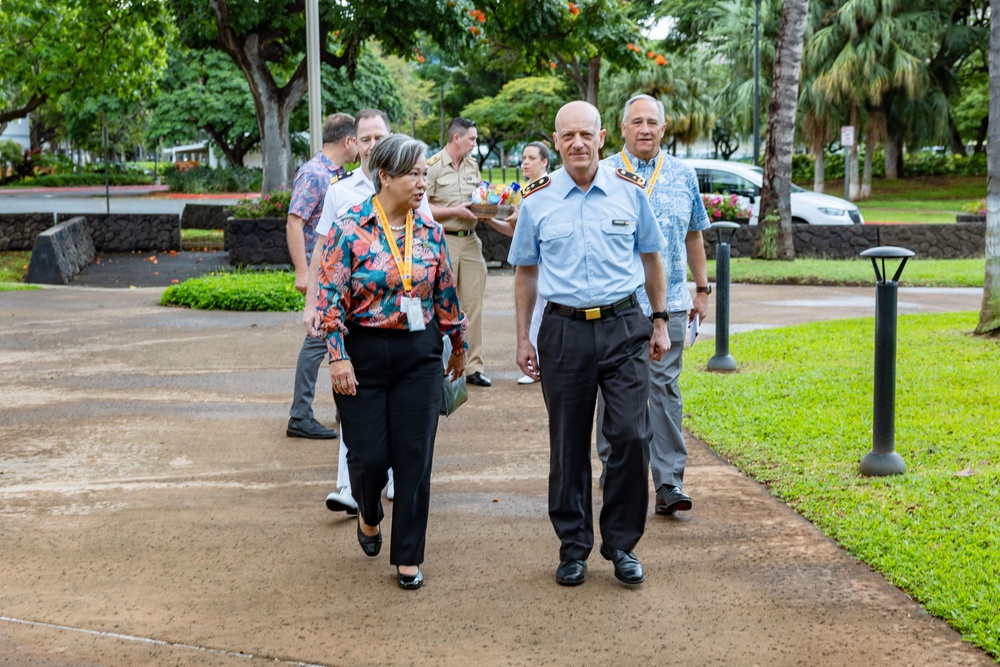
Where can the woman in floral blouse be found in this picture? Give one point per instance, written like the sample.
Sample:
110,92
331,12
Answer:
387,295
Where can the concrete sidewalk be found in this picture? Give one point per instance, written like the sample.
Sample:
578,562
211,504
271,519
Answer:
153,512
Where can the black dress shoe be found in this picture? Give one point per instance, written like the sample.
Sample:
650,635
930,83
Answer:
410,582
571,572
628,570
479,380
370,544
669,499
309,428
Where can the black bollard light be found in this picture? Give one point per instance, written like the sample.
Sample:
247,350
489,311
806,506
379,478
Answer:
722,361
883,459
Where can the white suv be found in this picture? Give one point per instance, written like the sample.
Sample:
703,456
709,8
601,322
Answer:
744,180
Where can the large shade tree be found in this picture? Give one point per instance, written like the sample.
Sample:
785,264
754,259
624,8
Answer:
522,111
53,48
774,225
989,315
573,38
266,41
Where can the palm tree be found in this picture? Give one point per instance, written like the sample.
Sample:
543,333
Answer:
868,49
774,232
989,315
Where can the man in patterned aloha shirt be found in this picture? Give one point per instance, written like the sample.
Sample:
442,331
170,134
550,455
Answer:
304,211
673,192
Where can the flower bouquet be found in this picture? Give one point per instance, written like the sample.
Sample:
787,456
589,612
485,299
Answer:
726,207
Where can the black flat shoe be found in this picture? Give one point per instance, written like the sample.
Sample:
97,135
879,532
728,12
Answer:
670,499
628,570
410,582
371,545
479,380
571,572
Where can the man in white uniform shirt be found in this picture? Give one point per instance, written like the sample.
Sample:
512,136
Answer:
371,125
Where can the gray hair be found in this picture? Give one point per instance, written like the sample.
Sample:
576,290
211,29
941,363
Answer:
661,115
394,156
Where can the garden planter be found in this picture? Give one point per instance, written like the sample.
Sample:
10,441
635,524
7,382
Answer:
257,241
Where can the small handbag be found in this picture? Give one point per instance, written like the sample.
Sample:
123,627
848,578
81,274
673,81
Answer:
453,394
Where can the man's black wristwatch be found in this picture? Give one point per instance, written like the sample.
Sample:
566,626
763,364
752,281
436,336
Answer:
707,289
660,315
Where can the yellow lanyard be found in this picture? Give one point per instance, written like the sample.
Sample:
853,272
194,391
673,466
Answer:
656,172
403,264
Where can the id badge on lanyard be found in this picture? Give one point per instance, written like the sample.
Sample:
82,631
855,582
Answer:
409,305
414,311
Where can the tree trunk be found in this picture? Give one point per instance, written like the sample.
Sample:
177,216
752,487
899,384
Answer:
989,314
273,105
870,145
593,79
819,170
893,157
774,225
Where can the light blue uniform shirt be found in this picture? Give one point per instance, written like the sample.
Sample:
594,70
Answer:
679,209
586,244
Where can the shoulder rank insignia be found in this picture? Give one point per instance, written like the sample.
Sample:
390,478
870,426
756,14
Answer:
630,177
535,186
434,159
337,179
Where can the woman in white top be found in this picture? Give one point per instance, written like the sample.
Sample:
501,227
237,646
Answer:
534,164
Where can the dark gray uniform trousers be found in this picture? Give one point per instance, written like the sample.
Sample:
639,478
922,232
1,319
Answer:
576,357
667,451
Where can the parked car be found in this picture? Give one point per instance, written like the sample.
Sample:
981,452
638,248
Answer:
744,180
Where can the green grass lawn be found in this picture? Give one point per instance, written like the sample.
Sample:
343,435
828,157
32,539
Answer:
917,199
918,272
798,417
13,266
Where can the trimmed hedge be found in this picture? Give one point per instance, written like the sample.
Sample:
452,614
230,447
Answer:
88,178
239,290
198,180
914,164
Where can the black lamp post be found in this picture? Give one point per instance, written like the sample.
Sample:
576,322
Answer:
883,459
722,360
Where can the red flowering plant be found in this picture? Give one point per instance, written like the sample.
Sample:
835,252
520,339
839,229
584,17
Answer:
271,205
725,207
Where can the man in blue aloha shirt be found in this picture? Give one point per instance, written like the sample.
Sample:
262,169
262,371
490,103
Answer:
673,192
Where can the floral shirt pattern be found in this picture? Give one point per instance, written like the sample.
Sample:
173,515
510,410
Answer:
360,283
308,193
677,203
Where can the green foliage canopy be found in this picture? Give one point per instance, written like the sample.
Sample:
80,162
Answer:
79,48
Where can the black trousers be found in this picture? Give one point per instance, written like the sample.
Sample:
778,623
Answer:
391,423
576,357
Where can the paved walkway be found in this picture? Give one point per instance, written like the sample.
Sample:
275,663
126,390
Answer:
153,512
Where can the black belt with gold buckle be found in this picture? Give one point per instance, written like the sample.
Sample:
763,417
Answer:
597,312
460,234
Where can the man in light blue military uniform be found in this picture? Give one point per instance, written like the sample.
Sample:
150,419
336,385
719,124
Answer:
673,192
586,240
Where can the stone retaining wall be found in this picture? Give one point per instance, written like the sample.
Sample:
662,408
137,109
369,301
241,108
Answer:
256,241
204,216
61,252
128,232
18,230
960,240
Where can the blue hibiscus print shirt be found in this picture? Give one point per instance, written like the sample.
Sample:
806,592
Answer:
679,209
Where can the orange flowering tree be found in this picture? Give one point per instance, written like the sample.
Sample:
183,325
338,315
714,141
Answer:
571,37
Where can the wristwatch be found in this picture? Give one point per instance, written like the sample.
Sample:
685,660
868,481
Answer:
707,289
660,315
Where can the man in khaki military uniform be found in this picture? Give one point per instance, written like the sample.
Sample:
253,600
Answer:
452,175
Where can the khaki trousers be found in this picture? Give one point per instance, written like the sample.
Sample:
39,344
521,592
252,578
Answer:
466,254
